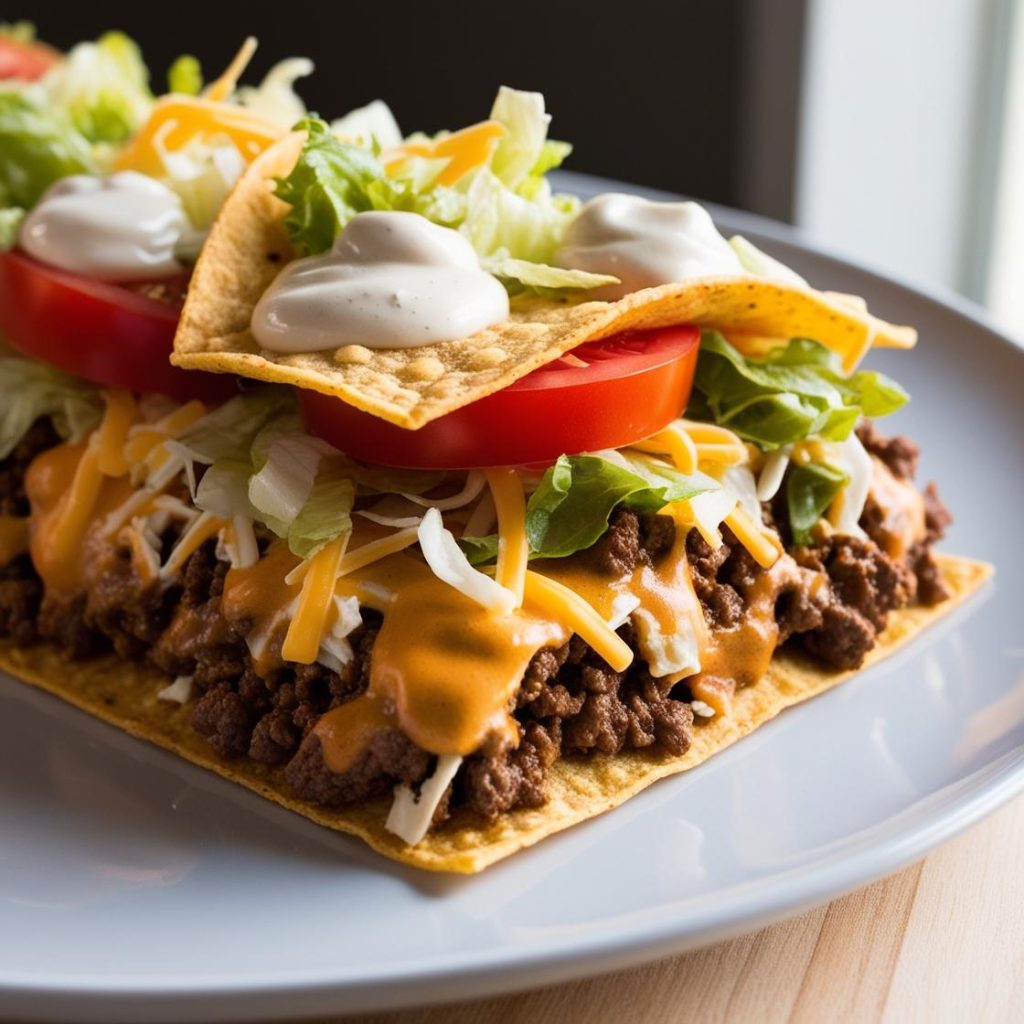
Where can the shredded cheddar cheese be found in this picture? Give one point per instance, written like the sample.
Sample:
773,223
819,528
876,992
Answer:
144,438
224,86
674,442
567,608
465,150
176,120
206,526
120,414
513,546
316,599
762,545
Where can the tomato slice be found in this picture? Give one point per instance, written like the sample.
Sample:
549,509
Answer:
25,61
604,394
105,333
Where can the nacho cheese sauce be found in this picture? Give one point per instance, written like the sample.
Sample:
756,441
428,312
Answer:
645,243
124,227
392,280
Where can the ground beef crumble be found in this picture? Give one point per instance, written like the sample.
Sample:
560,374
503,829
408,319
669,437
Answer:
571,703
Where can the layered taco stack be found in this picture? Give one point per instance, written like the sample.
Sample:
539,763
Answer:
461,511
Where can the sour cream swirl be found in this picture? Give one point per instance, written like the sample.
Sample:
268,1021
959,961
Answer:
124,227
392,280
645,243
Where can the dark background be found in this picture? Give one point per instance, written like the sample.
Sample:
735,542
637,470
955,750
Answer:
695,96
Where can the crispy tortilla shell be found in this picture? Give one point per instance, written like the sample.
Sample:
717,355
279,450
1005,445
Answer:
124,694
248,247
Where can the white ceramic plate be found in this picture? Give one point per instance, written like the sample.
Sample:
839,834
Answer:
136,887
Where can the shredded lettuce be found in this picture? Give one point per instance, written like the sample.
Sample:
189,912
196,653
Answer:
326,188
810,489
275,97
570,509
185,76
526,130
371,126
795,391
38,145
760,264
33,390
103,87
261,466
326,512
230,430
10,222
506,209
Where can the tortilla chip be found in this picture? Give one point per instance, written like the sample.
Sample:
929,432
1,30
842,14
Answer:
124,694
248,247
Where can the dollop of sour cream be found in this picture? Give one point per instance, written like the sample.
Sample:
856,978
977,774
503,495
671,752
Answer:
124,227
392,280
645,243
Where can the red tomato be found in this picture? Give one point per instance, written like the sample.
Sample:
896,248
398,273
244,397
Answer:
25,61
631,386
102,332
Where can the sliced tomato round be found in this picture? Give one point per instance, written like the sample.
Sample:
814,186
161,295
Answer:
116,336
604,394
25,61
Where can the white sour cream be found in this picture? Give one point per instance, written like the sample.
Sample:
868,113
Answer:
392,280
124,227
645,243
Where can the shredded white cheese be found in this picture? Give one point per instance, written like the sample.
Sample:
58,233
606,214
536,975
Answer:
411,815
177,692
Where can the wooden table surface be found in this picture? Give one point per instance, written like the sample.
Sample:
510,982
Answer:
942,940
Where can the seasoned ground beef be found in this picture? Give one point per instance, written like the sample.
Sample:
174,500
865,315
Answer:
21,593
571,703
898,453
865,586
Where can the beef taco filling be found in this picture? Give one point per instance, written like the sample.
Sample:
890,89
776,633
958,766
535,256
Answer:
412,679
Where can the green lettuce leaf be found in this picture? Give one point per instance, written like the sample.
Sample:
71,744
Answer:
541,277
506,210
796,391
32,390
570,509
810,489
327,187
103,87
327,511
480,550
259,465
185,76
38,145
10,222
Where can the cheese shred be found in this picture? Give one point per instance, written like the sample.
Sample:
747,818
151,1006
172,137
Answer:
566,607
316,599
513,546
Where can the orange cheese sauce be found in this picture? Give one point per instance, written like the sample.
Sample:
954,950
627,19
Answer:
903,524
444,670
70,498
665,592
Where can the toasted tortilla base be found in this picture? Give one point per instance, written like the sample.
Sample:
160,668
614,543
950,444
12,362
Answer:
124,694
248,247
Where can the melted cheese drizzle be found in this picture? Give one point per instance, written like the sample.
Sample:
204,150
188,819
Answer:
903,522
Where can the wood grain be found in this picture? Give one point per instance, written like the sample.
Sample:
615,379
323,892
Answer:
942,940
